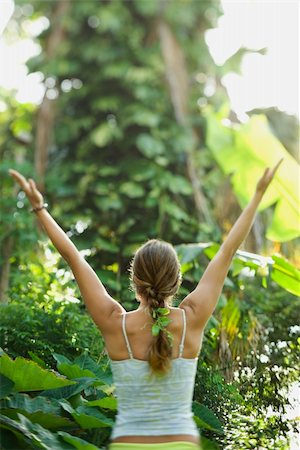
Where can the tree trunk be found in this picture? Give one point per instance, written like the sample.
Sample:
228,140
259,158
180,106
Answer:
177,79
4,281
8,244
46,112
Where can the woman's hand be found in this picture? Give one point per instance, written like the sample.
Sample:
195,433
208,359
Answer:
29,187
266,179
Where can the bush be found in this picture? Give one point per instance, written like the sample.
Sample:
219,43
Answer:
27,327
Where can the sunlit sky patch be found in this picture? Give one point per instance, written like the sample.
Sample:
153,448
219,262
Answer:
269,80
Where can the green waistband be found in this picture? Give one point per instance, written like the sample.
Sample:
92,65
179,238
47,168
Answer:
176,445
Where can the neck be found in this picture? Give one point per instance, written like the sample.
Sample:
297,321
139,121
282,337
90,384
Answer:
143,306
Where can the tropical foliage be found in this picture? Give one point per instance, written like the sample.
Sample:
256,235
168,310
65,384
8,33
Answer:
128,144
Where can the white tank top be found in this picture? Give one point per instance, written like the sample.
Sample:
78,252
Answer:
149,405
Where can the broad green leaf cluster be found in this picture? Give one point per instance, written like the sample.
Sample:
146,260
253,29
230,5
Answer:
43,409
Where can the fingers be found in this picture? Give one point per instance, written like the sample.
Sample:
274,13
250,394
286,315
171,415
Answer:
15,174
269,173
276,166
19,178
32,184
274,170
266,171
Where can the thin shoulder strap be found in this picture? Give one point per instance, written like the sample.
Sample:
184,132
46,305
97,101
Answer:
181,346
125,336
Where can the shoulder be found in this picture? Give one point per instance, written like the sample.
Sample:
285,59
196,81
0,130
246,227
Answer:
192,321
118,315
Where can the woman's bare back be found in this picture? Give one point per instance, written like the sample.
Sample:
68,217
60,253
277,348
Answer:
138,328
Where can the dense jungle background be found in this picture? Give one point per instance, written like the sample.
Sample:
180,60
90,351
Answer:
129,144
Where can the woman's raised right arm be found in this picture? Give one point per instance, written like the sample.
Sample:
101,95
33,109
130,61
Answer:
58,237
100,304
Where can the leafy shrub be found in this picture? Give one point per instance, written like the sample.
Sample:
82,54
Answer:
65,329
41,409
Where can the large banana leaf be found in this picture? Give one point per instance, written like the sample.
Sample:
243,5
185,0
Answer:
6,386
281,271
28,376
244,151
83,366
106,403
89,417
34,435
45,412
77,443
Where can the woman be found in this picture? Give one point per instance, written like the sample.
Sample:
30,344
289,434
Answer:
153,350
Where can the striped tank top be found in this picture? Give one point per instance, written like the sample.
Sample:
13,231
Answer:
149,405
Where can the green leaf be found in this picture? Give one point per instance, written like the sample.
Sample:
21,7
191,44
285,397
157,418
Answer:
211,250
39,409
208,444
286,275
163,311
175,211
106,403
6,386
31,405
264,282
150,9
33,434
85,367
28,376
103,374
137,115
234,62
255,143
237,266
132,190
107,103
205,418
105,133
164,321
66,406
38,360
18,429
76,442
177,184
185,267
61,359
73,371
84,361
44,437
155,330
89,417
111,202
149,146
46,420
139,170
69,391
116,69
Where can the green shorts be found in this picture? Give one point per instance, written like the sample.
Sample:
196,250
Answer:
176,445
